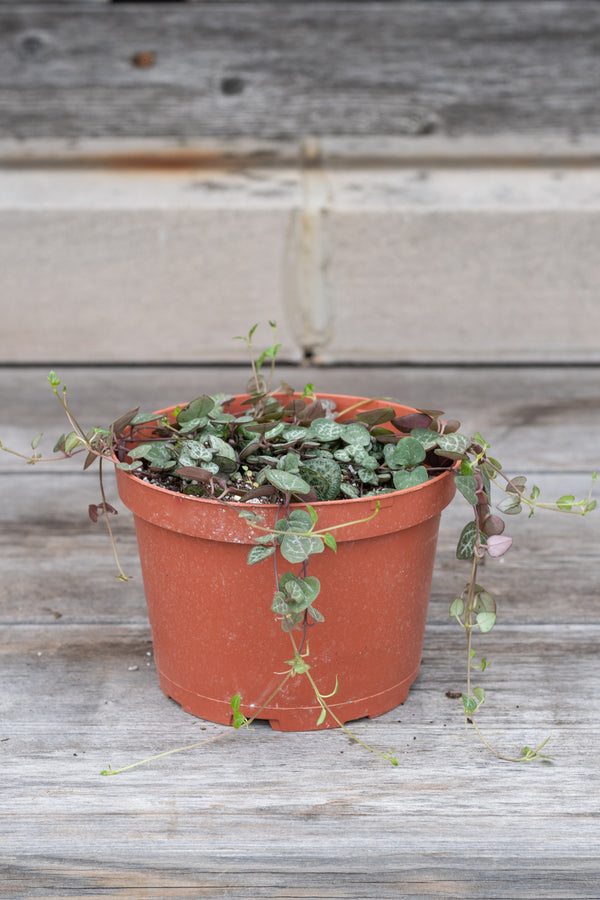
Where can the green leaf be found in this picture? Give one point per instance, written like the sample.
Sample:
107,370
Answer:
367,476
322,716
197,409
466,541
325,430
294,433
257,554
287,481
408,452
280,604
427,438
470,703
479,695
156,453
129,467
350,490
484,602
510,506
290,462
330,541
485,621
405,479
295,594
356,434
467,485
221,447
298,520
312,513
251,518
35,441
72,440
344,455
195,450
565,503
452,445
301,589
364,459
298,547
324,475
140,451
457,607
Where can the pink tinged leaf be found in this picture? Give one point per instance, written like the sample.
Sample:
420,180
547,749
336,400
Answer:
498,544
412,420
492,525
95,510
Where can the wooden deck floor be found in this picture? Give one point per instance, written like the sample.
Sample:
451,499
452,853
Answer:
265,814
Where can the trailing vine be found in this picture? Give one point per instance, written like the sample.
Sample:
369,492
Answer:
292,449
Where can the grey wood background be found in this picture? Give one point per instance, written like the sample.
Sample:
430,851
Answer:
289,69
392,182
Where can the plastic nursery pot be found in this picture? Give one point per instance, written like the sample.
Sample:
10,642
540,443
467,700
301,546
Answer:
213,631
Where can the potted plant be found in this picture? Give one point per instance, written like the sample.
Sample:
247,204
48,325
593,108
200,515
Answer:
287,542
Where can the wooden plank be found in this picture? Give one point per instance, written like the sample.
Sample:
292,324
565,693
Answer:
231,803
551,570
261,813
287,69
522,410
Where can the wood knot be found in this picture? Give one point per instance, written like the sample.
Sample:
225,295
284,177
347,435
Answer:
144,60
33,45
232,85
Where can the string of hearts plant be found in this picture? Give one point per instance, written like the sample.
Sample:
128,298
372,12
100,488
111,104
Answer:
288,449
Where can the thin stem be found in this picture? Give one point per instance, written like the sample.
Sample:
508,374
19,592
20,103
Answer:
324,705
469,618
148,759
121,576
528,755
216,737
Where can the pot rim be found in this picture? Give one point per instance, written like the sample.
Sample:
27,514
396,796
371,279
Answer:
317,504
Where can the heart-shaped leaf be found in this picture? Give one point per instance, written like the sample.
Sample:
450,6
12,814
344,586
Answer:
467,485
373,417
408,452
287,481
405,479
257,554
466,542
296,548
325,430
356,434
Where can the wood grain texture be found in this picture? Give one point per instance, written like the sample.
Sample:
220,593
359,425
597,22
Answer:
263,814
280,70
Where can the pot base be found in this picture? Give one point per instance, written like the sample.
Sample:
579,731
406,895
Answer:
296,718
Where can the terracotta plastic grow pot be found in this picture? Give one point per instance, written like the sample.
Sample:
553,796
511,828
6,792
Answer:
214,634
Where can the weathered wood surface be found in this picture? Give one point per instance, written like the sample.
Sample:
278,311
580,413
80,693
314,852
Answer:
479,264
476,263
264,814
287,69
